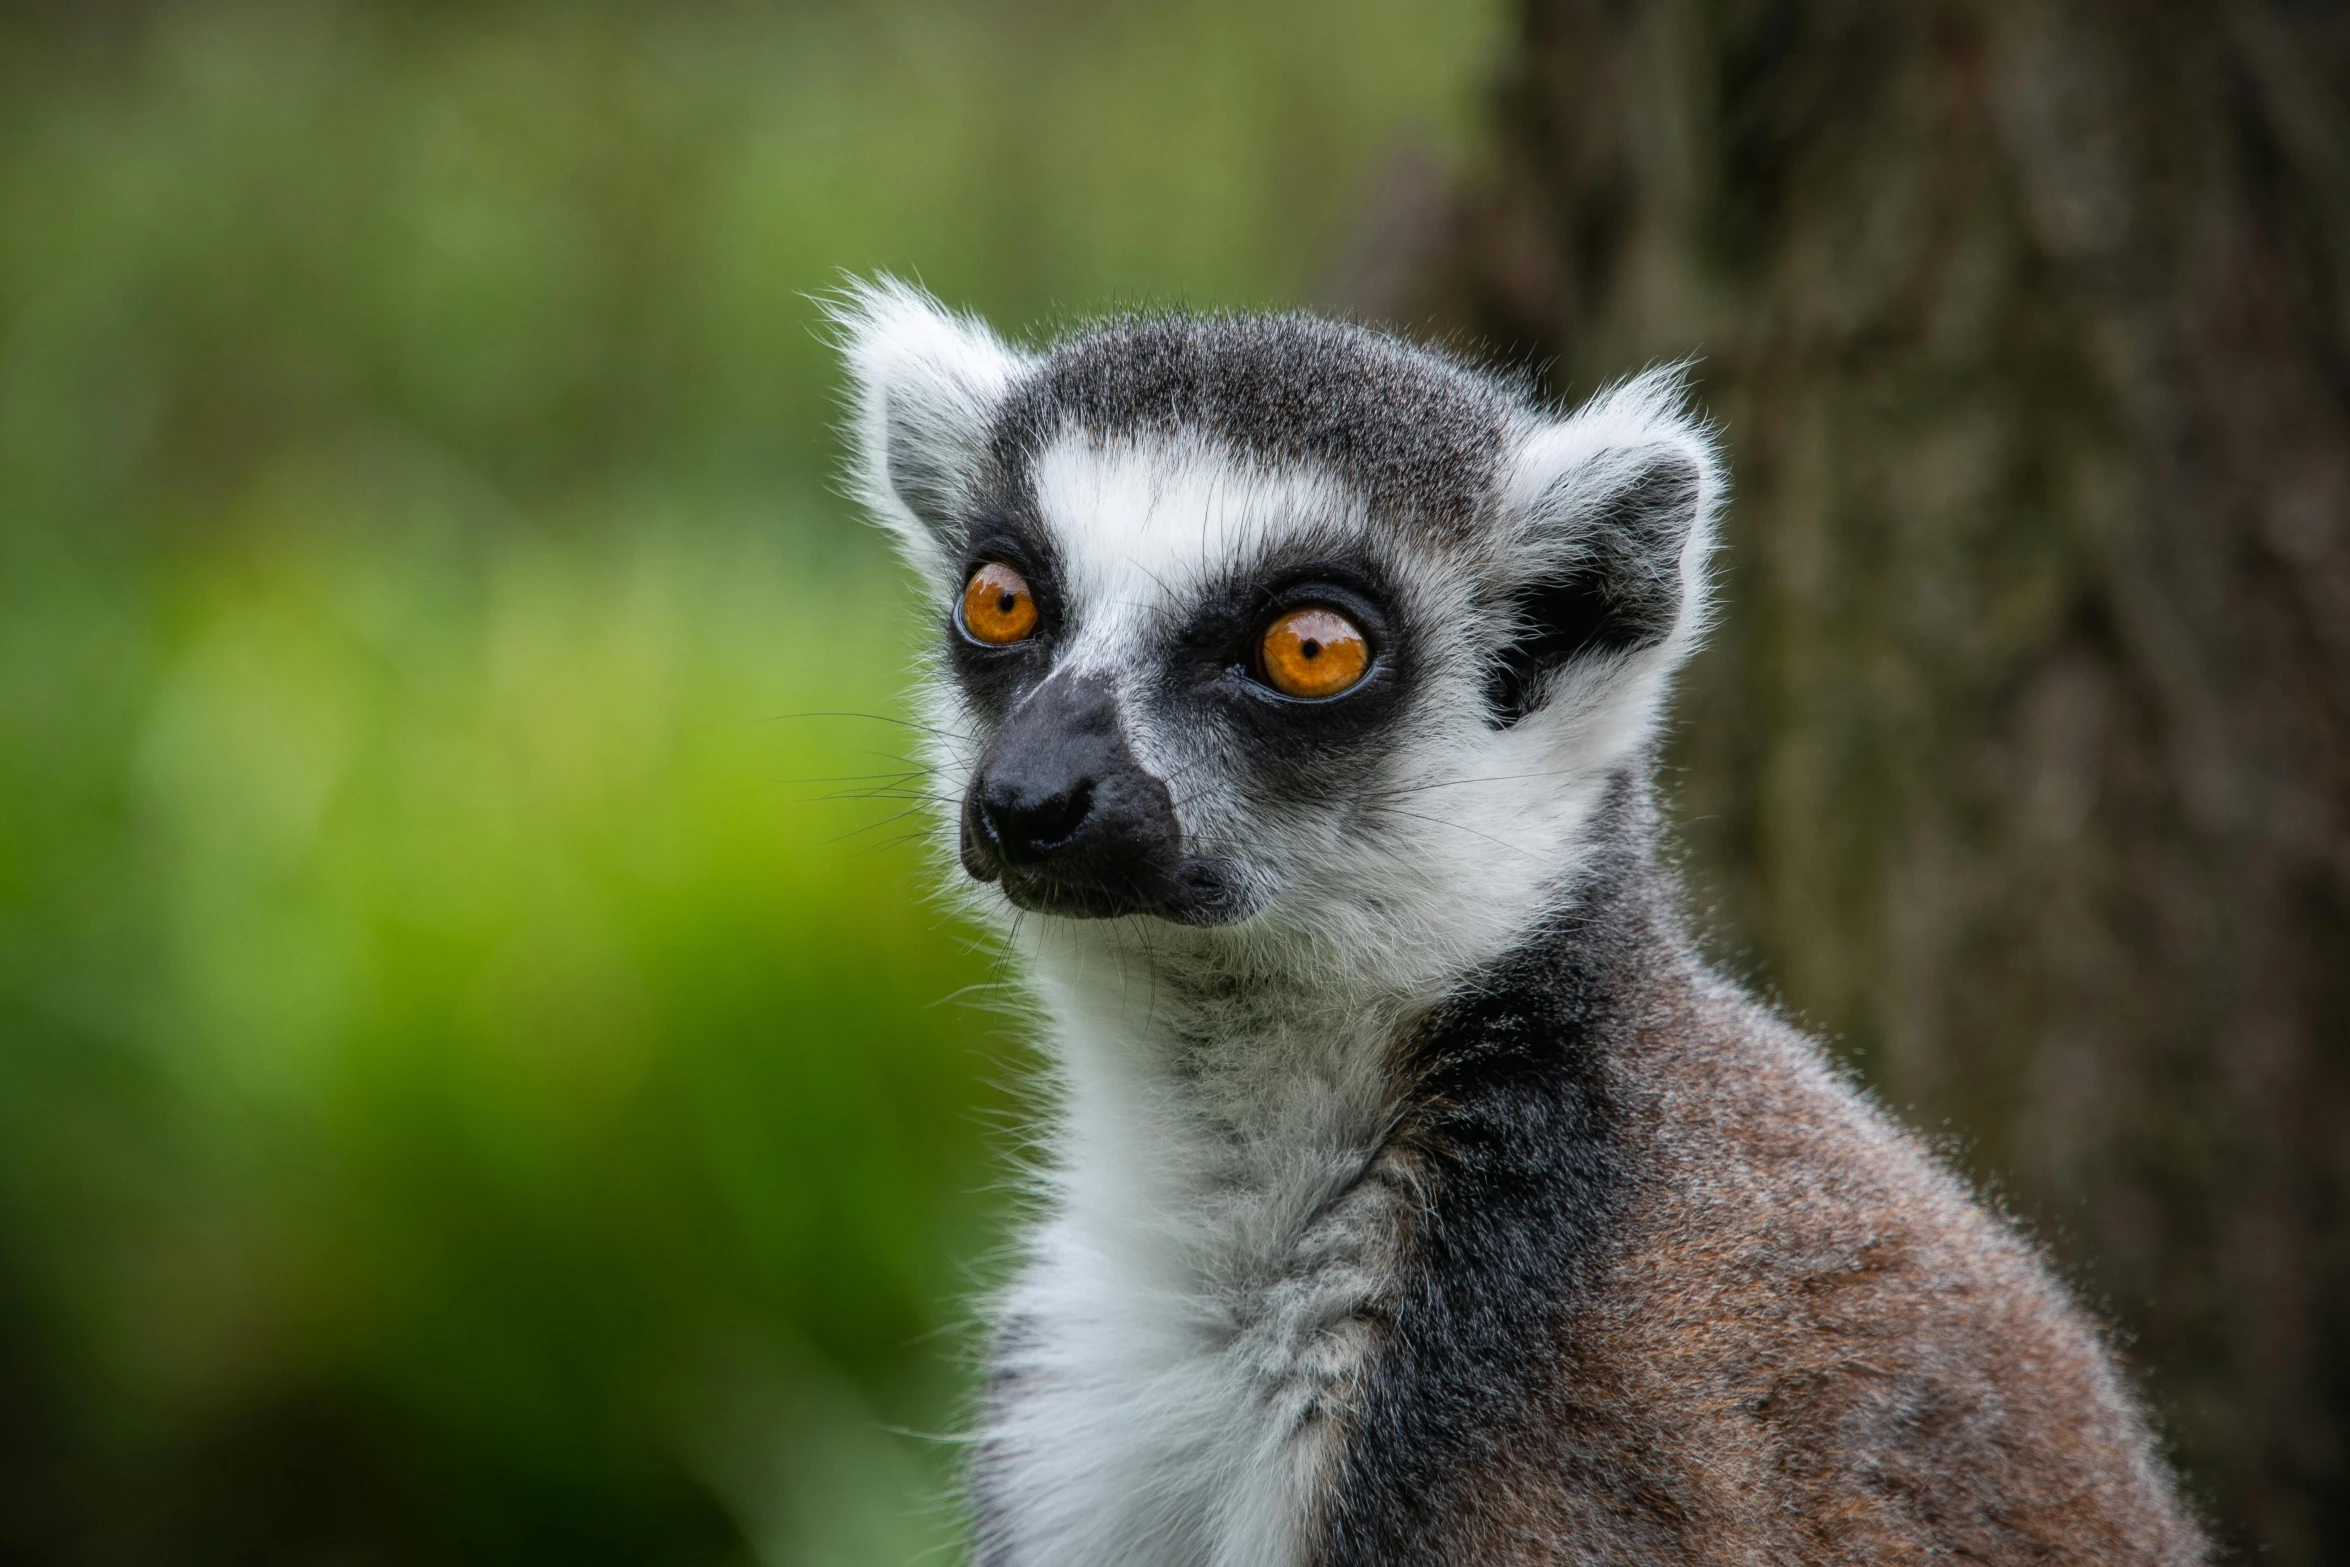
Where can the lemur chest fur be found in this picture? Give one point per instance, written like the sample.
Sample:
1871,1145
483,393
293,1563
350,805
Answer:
1197,1313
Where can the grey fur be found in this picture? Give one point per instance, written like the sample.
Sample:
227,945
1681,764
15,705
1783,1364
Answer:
1417,435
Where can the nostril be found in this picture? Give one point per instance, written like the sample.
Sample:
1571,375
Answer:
1027,828
1059,818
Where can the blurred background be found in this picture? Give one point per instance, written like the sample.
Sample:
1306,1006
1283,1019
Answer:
480,1079
471,1087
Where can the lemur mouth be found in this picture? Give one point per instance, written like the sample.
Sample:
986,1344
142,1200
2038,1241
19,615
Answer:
1070,859
1199,893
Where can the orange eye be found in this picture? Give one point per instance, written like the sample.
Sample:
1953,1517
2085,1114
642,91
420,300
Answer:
998,609
1313,652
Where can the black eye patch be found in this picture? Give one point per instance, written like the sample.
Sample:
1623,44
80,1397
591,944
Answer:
1213,666
996,677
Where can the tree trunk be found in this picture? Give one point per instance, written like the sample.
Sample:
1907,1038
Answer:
2020,763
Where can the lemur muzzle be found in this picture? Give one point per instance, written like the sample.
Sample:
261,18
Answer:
1064,815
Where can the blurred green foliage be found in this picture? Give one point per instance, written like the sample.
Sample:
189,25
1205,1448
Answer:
466,1092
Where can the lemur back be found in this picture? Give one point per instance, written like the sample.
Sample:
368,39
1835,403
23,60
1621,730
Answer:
1416,1195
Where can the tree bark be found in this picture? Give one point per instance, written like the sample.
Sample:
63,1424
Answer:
2020,762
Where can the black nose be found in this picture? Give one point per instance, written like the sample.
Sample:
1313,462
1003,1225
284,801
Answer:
1065,817
1025,823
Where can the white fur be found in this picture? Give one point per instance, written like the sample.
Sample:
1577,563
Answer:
923,383
1195,1301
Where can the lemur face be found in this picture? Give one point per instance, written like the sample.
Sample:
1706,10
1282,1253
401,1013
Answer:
1185,669
1273,619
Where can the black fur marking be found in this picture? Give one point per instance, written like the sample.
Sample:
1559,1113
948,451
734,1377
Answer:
1622,594
1524,1171
1565,618
1419,437
1280,745
996,678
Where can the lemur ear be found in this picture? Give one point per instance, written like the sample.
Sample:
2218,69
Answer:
925,384
1609,521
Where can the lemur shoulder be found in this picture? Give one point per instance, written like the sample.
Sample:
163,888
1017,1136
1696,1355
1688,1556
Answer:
1416,1194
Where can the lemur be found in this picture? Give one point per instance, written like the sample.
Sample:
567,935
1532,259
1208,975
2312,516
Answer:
1416,1193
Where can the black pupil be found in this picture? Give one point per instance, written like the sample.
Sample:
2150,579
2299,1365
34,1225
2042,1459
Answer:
1309,648
1005,602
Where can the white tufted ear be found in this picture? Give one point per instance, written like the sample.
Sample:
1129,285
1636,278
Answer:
1608,520
925,384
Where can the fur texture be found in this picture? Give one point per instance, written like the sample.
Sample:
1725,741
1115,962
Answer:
1416,1195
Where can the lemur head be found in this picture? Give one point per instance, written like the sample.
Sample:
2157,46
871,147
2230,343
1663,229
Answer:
1274,627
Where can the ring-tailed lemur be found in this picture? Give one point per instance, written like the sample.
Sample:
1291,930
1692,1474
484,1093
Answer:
1418,1195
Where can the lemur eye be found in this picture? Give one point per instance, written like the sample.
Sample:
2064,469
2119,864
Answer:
998,609
1313,652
